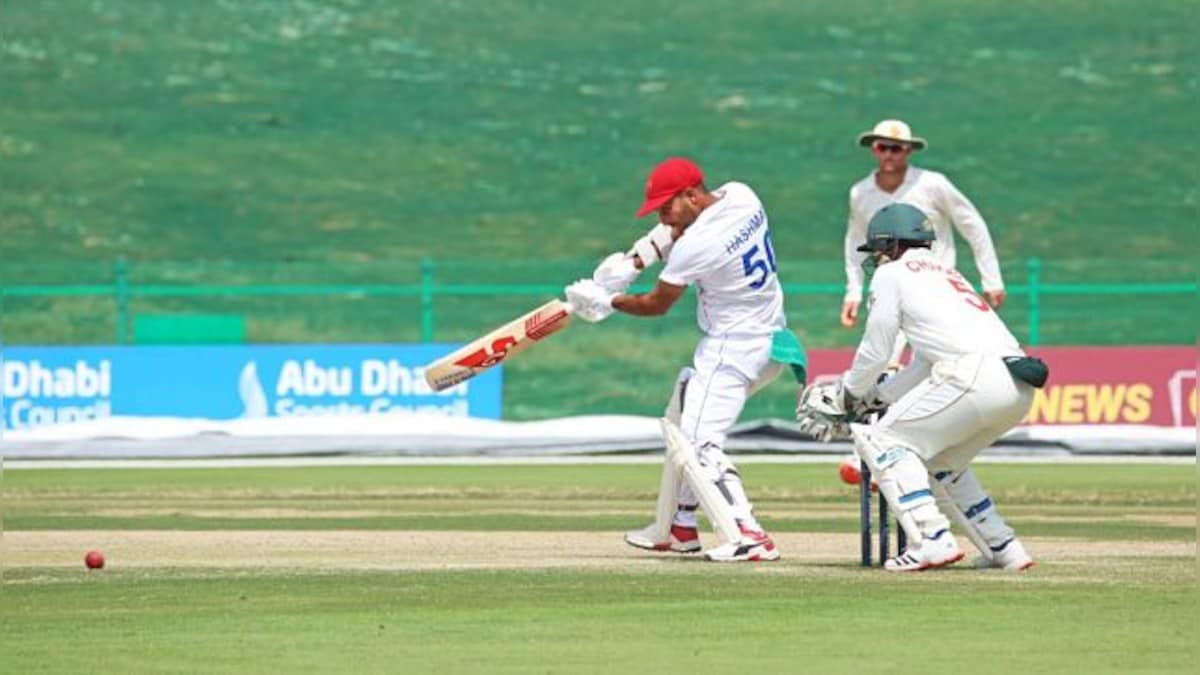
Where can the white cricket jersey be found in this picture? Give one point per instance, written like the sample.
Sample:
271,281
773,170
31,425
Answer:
727,254
946,208
936,309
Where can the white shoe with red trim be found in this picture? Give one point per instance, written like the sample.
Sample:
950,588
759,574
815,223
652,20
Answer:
754,546
682,539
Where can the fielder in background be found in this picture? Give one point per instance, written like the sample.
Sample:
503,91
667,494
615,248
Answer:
891,141
721,242
968,383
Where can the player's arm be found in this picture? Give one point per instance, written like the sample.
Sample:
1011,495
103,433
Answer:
596,298
652,247
689,261
879,337
619,270
856,234
892,388
974,229
655,303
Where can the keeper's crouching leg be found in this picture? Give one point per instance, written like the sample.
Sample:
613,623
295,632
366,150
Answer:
904,483
977,514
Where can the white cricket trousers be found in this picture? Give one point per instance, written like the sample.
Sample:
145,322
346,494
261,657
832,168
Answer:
960,409
728,370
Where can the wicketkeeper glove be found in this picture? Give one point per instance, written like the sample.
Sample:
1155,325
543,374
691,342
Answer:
823,429
821,412
825,410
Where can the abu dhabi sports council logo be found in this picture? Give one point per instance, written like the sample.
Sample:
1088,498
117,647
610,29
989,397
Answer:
1182,389
307,387
37,393
250,390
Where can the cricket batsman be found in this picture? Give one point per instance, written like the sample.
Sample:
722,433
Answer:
967,384
719,241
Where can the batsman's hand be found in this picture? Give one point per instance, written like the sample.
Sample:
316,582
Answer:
592,302
616,272
995,298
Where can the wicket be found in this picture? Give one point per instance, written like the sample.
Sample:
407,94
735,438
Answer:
864,516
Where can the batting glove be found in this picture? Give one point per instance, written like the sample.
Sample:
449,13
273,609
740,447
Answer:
616,273
592,302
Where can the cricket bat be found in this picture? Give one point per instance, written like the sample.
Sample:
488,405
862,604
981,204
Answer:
489,350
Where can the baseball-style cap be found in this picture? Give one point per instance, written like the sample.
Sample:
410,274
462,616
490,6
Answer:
891,130
672,176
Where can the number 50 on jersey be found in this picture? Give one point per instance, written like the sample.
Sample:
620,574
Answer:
489,350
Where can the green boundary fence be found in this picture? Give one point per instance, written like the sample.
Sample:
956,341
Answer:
121,290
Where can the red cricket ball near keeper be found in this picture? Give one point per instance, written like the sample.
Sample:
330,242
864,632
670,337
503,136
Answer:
94,560
850,473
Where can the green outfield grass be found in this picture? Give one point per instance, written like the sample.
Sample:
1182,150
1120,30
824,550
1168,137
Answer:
333,570
603,622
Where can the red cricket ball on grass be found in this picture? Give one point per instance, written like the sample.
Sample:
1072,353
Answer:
94,560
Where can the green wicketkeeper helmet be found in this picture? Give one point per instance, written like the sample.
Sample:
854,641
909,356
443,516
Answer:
897,222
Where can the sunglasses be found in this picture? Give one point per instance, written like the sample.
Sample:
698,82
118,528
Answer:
890,147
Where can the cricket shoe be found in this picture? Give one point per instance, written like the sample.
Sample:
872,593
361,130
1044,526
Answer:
936,551
1010,556
754,546
681,539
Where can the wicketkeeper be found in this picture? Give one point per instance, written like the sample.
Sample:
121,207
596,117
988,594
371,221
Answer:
719,241
967,384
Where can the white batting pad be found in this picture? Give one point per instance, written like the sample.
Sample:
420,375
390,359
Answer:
674,411
668,499
719,508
